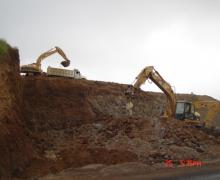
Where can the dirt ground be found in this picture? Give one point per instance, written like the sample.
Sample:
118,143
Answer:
61,126
136,171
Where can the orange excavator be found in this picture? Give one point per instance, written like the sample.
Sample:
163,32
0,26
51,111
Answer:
181,110
35,68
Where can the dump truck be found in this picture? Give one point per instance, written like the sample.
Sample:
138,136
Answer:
75,73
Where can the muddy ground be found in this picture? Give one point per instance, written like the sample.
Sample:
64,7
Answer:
55,125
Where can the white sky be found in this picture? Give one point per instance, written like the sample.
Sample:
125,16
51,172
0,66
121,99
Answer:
113,40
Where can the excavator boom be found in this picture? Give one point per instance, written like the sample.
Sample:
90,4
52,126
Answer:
150,73
52,51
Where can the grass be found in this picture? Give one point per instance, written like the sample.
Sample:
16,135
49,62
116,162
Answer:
3,47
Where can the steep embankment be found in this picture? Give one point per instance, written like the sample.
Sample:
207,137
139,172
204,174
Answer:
58,103
15,147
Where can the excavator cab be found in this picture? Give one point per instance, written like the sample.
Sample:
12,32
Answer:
185,110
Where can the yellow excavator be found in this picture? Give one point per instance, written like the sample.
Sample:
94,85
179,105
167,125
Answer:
35,68
181,110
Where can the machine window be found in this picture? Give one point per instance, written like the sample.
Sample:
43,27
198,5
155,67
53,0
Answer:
187,110
179,108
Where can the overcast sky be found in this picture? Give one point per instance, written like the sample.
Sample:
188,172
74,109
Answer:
113,40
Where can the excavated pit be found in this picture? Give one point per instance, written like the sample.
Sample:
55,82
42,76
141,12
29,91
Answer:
49,124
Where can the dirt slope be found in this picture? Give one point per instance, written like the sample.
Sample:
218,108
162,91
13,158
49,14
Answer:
59,103
15,149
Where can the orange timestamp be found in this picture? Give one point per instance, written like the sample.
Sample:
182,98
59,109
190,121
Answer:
183,163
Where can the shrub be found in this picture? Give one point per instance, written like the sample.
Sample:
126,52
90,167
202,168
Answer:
3,47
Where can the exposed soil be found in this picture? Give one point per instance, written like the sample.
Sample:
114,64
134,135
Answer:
56,123
15,147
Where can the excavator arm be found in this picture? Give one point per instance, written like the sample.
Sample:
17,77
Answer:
36,67
50,52
150,73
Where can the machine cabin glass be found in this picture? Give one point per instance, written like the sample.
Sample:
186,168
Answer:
180,107
184,110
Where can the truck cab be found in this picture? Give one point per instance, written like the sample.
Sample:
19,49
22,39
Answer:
77,74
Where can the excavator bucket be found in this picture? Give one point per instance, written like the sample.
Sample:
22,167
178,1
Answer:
65,63
129,92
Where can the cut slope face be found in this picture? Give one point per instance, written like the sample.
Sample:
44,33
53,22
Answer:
15,147
59,103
